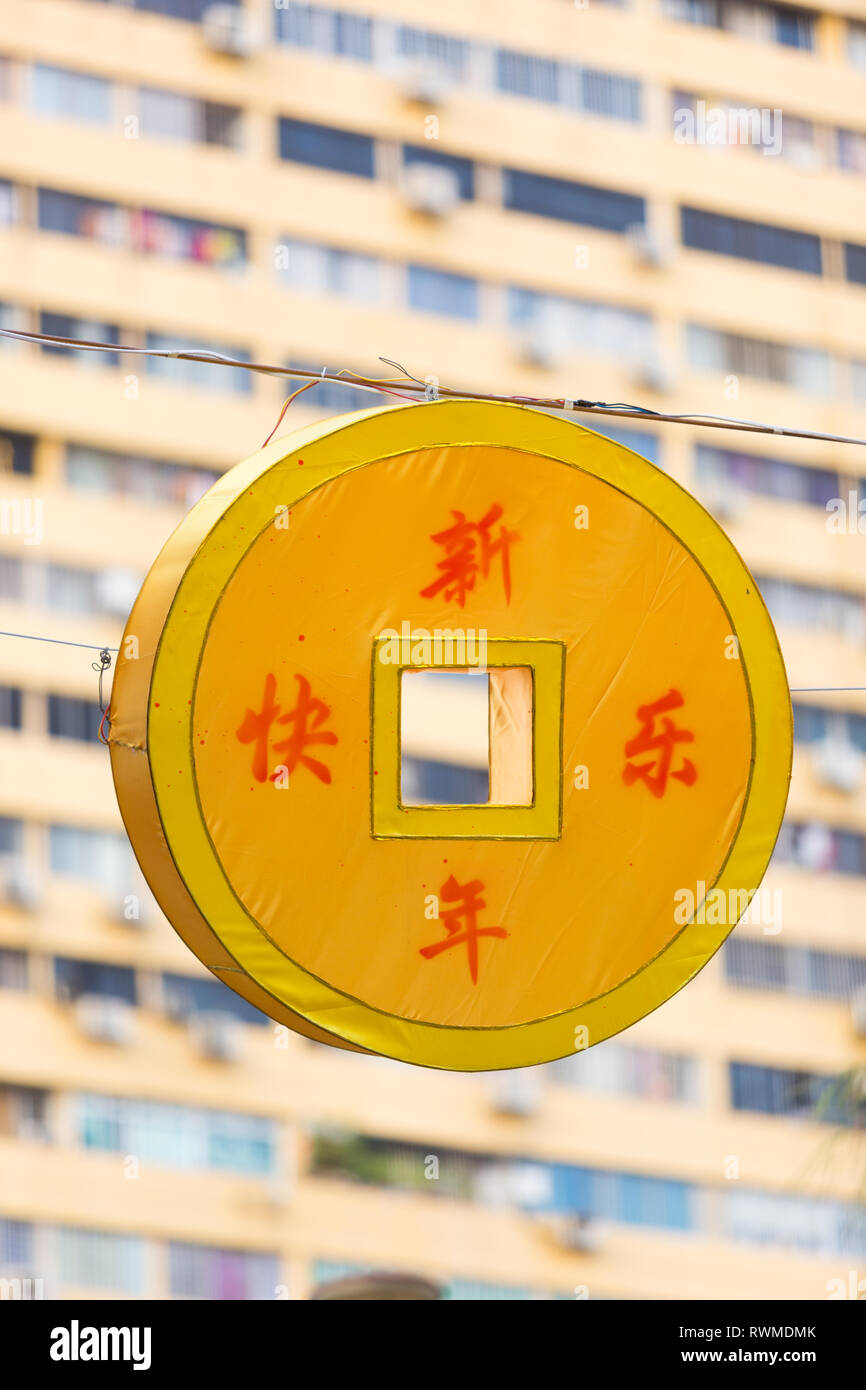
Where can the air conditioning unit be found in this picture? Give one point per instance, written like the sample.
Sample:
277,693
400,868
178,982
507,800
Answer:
580,1235
838,764
424,81
105,1020
21,887
654,374
516,1093
724,498
648,248
858,1011
218,1035
430,188
116,591
543,345
230,30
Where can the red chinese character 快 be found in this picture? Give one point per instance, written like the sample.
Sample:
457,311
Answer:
470,547
656,771
468,903
306,719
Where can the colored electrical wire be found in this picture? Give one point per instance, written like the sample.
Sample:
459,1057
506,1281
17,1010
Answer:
412,386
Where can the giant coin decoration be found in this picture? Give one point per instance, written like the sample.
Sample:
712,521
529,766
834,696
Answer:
640,734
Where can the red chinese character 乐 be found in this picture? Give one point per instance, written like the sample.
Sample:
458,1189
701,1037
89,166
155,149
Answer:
468,903
470,547
656,771
306,719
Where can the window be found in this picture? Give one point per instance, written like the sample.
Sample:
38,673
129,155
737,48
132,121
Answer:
11,577
99,856
74,978
13,969
60,92
126,475
71,590
186,239
10,707
199,1271
751,241
775,1091
441,292
76,216
793,969
175,116
16,1244
807,369
11,831
813,724
175,1135
172,9
429,783
616,1069
328,31
329,270
186,995
101,1260
211,378
16,452
326,148
856,43
463,169
767,477
572,202
765,23
65,326
8,204
24,1112
821,848
812,1224
440,50
805,605
855,264
582,326
851,150
71,718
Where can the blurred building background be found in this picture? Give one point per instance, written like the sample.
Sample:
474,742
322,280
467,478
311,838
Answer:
492,193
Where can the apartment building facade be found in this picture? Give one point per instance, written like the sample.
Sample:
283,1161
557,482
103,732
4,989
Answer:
506,201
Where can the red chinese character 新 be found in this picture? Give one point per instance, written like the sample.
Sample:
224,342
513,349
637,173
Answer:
470,548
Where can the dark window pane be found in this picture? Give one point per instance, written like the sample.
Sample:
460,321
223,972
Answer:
16,452
186,995
76,977
326,148
571,202
10,707
71,718
751,241
855,263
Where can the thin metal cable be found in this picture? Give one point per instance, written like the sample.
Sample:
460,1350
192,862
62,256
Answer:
418,388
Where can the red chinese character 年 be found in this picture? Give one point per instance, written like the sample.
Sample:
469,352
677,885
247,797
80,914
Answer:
470,547
306,720
662,743
468,903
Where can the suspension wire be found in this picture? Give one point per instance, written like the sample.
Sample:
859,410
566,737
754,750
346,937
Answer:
411,387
